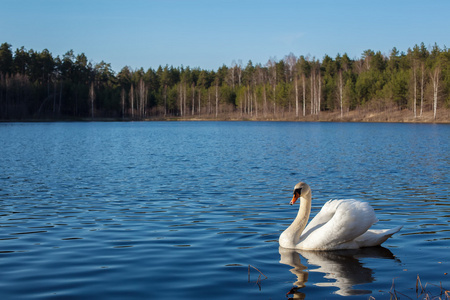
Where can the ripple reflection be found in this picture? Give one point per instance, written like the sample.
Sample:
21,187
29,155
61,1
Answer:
343,267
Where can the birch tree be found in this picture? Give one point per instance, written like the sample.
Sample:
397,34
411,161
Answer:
142,98
312,88
239,72
180,98
217,97
414,87
319,97
315,87
291,62
271,64
414,58
233,72
132,100
435,74
423,54
193,97
261,81
303,67
422,86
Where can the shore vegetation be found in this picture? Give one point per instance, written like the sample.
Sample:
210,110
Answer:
411,86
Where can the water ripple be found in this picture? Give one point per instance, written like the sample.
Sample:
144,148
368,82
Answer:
153,210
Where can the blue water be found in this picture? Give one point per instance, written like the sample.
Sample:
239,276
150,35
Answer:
153,210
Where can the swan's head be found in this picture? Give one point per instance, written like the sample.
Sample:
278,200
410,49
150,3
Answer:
300,189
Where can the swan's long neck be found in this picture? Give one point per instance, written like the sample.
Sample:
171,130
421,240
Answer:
291,236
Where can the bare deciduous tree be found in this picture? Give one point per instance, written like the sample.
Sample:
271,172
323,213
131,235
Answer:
291,61
435,74
92,98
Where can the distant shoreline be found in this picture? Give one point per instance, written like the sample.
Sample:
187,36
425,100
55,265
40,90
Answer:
36,86
400,116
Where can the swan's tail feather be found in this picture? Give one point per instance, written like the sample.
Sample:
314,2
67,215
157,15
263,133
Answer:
375,237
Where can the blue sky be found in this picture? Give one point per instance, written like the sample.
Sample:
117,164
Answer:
208,34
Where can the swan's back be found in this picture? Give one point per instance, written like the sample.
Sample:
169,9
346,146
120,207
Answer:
338,224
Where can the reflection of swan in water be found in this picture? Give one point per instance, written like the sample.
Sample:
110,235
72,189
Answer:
340,224
343,266
292,258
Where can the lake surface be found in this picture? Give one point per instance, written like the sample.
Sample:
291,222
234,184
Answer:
179,210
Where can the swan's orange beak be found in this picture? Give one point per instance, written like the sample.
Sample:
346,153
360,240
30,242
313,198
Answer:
295,198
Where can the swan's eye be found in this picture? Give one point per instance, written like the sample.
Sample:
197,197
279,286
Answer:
298,191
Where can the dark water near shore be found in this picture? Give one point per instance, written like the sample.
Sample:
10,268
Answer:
157,210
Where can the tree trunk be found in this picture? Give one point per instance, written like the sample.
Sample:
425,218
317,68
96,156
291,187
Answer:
421,90
217,99
318,94
165,100
184,99
249,102
265,100
209,101
91,98
232,69
340,93
274,98
296,96
199,100
193,99
256,104
132,101
415,90
181,100
304,94
435,79
312,93
141,98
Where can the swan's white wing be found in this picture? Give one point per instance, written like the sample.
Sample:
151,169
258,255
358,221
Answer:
324,215
337,225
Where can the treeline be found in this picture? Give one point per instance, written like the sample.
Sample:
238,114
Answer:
37,85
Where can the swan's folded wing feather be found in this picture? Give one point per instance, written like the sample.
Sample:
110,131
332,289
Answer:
347,219
375,237
324,215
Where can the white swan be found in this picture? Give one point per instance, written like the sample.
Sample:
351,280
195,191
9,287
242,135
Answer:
340,224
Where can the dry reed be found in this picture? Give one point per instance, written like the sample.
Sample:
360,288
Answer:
421,292
258,282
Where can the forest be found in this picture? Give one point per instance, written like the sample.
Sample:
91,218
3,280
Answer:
38,86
